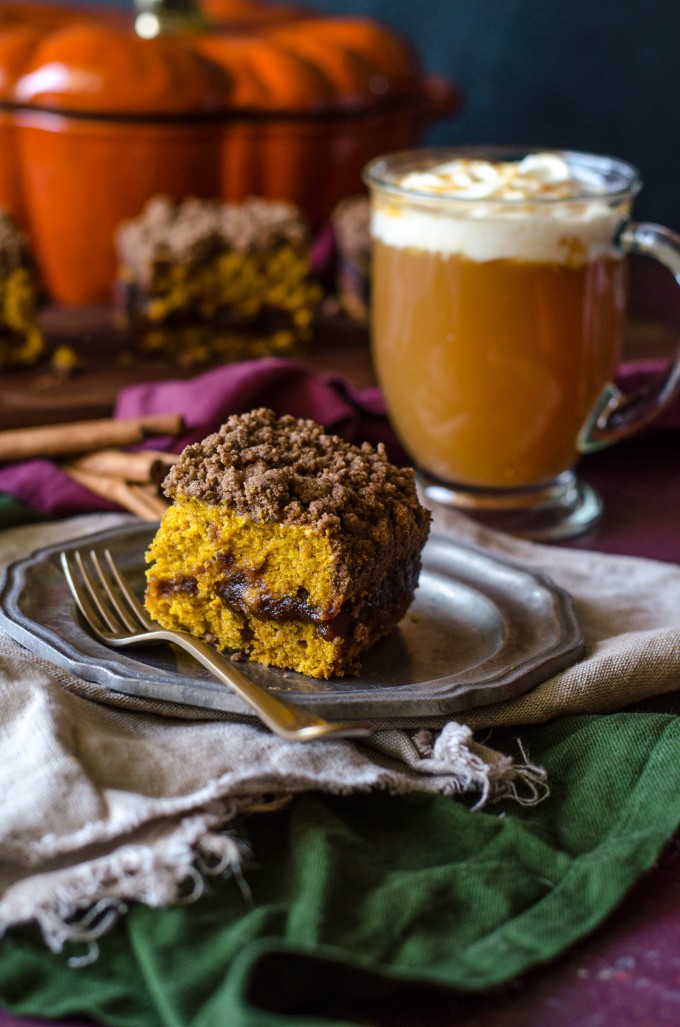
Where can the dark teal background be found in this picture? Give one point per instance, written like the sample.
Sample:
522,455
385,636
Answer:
585,74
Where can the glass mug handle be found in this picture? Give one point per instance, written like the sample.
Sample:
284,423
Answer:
618,414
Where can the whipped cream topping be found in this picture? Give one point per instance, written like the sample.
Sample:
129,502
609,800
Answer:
536,209
542,176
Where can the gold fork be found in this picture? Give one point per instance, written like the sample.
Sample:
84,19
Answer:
115,615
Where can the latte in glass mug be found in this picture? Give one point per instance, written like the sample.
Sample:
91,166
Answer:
497,321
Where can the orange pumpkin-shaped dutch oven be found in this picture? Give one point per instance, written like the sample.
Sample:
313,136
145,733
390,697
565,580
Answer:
99,112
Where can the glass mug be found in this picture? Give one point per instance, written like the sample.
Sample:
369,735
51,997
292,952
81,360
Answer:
498,308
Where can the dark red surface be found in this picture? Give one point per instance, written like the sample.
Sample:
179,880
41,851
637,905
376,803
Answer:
639,482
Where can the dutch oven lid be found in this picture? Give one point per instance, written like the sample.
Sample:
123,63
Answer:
79,63
169,62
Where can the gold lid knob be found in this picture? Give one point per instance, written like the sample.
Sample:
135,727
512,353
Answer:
154,17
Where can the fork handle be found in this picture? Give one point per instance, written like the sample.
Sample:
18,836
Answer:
286,719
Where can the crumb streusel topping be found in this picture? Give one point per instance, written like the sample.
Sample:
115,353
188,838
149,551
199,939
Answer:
289,470
192,231
13,246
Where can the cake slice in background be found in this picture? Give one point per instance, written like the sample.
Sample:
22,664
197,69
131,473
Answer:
203,280
21,339
350,221
290,546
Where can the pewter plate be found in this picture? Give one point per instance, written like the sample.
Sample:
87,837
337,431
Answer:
480,630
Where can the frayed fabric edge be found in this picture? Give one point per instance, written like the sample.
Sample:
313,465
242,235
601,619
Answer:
78,905
84,902
462,765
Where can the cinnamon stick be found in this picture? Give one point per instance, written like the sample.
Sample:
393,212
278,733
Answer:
146,465
138,499
148,497
83,436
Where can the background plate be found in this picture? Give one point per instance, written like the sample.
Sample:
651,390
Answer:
480,630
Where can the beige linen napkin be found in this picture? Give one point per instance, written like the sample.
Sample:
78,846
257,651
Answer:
630,612
108,799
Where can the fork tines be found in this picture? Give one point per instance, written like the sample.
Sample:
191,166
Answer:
103,596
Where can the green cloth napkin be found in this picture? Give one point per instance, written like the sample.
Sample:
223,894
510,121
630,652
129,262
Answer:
347,899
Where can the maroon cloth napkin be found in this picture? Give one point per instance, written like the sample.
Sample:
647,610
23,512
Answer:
205,401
